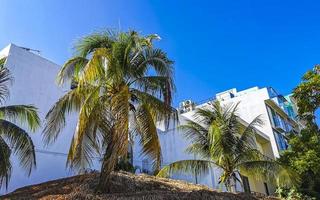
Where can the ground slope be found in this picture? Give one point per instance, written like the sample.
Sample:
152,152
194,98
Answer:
124,186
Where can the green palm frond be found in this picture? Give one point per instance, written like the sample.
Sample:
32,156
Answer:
120,110
21,144
196,167
199,137
96,68
71,69
148,135
55,119
5,164
22,114
86,45
84,145
5,79
269,170
160,110
159,86
247,139
155,59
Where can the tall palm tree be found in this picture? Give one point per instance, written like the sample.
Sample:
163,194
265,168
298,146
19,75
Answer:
221,139
122,86
14,139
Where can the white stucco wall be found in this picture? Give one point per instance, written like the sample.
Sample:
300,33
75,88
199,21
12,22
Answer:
34,83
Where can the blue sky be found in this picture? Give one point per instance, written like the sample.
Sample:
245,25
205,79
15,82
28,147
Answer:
216,45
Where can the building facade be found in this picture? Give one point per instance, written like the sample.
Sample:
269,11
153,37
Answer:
277,112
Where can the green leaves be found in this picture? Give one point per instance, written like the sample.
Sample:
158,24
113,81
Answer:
307,94
5,164
56,117
148,135
196,167
21,144
23,114
5,79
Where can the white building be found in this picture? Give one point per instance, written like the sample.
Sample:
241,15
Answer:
277,112
35,84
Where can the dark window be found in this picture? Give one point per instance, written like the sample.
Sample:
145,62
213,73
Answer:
266,188
281,141
246,185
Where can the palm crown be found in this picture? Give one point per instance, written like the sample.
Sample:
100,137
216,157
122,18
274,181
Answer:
123,85
14,139
220,138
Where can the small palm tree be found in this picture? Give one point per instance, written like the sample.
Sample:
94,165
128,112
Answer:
122,86
220,138
14,139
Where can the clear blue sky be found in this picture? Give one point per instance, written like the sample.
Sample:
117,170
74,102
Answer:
216,45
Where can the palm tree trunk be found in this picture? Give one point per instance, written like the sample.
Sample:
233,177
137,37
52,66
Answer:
109,161
233,184
118,146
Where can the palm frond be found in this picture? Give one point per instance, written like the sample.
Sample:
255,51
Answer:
21,114
88,44
120,110
155,59
158,109
71,69
84,145
196,167
158,86
55,119
21,144
5,164
269,170
96,68
5,79
247,134
197,134
148,135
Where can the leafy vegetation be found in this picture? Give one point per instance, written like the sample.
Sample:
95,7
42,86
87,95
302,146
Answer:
118,79
303,154
14,139
292,194
307,94
220,138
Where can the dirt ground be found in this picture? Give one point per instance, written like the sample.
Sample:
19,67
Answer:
123,186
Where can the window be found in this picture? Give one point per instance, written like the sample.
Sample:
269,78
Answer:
281,141
246,185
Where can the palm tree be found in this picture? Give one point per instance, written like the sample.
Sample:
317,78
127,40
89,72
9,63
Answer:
220,139
14,139
122,86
